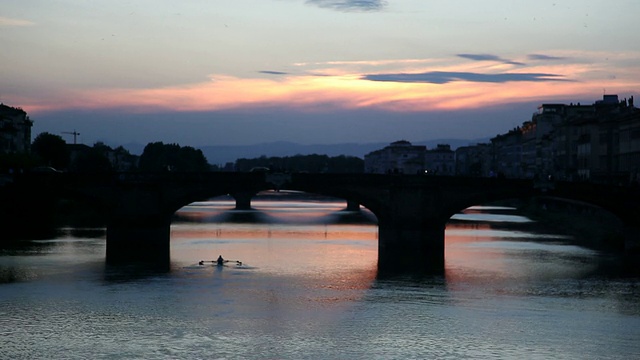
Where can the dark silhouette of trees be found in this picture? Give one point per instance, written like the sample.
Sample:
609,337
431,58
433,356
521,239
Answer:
51,150
306,163
346,164
172,157
94,159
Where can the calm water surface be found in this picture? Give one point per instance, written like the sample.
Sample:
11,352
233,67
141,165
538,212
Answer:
307,289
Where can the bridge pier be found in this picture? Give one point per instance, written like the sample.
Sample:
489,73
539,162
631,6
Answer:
415,248
353,205
132,244
139,227
411,228
243,200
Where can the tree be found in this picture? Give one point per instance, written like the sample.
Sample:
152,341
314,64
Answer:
51,150
95,159
313,163
172,157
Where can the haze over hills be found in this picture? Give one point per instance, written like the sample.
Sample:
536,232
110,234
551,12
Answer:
221,154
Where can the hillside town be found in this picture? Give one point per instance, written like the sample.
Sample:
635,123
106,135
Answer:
598,142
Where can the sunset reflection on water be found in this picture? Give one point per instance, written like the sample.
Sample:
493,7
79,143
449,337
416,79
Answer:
288,237
483,245
480,250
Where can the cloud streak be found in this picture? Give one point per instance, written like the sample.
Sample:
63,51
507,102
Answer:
444,77
545,57
350,5
488,57
9,22
271,72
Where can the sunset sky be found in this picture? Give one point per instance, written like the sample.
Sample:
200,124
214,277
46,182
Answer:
214,72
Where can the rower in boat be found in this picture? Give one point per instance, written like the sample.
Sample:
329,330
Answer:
220,261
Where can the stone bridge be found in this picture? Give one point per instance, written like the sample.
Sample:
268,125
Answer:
412,210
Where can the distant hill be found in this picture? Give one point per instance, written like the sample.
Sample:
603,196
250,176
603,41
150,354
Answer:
221,154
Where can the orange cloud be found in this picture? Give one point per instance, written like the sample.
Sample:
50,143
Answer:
337,85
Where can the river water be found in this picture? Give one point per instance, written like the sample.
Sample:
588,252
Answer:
308,289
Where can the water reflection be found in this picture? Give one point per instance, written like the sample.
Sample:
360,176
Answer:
10,274
494,214
133,273
483,254
91,233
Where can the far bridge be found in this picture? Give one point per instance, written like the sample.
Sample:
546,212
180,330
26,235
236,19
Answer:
412,210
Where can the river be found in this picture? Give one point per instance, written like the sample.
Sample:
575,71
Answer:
308,289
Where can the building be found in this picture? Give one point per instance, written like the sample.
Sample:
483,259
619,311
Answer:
15,130
594,142
567,134
440,161
507,154
474,160
399,157
598,142
629,147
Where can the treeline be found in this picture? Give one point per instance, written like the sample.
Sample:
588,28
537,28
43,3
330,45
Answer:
304,163
49,150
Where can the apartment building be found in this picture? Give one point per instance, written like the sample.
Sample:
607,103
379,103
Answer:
400,157
440,161
15,130
474,160
598,142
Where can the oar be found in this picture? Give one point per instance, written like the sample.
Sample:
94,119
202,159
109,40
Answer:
201,262
236,261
